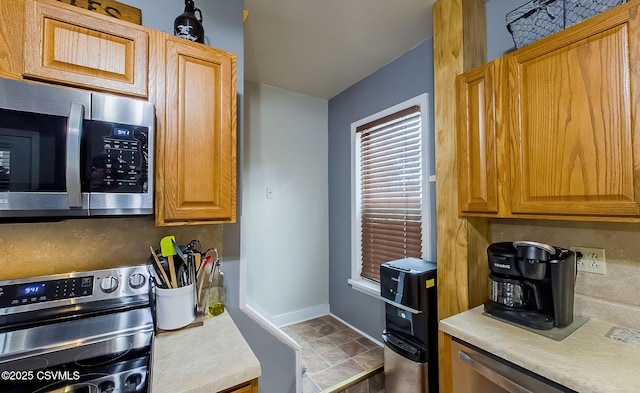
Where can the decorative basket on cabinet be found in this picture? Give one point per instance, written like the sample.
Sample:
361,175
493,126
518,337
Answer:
537,19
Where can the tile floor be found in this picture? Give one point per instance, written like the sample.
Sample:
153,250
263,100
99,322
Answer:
334,353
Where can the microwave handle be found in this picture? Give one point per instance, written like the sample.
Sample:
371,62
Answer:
74,133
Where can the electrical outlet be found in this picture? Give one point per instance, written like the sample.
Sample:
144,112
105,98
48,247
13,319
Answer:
592,260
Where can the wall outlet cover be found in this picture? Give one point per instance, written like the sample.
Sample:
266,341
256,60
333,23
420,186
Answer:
590,259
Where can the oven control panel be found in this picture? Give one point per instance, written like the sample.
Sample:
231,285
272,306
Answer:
78,287
42,291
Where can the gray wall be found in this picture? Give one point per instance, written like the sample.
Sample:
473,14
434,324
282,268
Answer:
406,77
499,40
224,29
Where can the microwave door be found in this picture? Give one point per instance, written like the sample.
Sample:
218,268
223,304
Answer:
40,164
34,127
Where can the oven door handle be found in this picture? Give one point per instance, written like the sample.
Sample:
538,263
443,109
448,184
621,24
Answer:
74,134
494,376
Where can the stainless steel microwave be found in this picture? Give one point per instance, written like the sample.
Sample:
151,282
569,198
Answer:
70,152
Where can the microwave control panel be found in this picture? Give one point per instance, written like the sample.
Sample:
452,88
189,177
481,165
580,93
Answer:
119,161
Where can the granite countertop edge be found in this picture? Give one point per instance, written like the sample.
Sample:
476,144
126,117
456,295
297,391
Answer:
586,361
207,358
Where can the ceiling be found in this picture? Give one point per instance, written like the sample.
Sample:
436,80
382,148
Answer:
321,47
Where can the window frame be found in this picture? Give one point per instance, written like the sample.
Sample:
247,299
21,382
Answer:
356,281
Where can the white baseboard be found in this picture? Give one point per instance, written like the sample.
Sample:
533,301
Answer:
304,314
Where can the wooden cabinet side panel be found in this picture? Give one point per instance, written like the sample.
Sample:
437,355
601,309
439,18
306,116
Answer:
199,147
11,37
157,71
249,387
573,146
476,128
66,45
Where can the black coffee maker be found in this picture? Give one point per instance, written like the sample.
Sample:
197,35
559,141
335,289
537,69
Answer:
531,284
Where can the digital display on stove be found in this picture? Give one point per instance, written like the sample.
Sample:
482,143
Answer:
30,289
45,291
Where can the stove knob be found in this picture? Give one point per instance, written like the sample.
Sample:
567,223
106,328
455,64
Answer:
107,387
109,284
137,280
132,382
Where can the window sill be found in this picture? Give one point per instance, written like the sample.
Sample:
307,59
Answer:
366,287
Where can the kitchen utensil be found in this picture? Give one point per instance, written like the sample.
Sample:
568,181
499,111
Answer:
198,260
168,250
202,294
178,250
204,275
160,269
181,275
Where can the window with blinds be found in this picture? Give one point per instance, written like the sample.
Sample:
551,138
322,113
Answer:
390,172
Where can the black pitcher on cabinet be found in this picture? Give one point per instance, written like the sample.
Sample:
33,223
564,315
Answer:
187,25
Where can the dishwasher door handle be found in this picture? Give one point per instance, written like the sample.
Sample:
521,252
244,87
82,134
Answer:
494,376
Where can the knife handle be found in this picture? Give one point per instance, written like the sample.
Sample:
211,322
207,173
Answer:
160,269
172,272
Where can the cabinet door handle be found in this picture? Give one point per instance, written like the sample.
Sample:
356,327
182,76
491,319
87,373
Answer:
492,375
74,133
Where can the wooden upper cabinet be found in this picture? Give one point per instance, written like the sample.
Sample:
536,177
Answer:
64,44
196,179
551,130
11,38
575,141
477,139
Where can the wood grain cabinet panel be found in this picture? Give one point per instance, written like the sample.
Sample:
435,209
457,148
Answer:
70,46
197,151
477,139
574,133
249,387
11,38
551,130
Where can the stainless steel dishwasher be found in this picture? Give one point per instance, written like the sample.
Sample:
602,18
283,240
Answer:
475,370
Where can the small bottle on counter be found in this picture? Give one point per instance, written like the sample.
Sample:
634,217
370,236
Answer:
216,291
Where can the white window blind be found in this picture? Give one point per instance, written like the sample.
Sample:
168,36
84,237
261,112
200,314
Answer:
390,189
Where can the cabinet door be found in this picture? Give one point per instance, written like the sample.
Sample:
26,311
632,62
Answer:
67,45
575,144
477,140
198,152
11,37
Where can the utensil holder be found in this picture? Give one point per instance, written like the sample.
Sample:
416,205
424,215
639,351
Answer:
175,307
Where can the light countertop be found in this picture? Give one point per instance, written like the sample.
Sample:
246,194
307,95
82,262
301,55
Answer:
206,358
586,361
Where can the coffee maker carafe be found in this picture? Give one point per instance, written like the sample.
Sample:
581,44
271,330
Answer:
531,284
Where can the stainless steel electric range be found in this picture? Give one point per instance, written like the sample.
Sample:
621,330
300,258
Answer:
89,332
